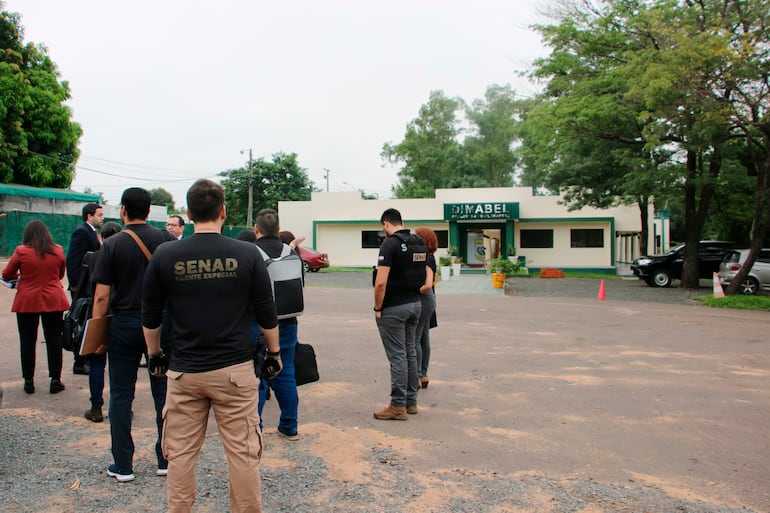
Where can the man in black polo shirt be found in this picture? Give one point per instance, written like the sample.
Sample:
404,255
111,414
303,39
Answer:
397,310
118,275
212,286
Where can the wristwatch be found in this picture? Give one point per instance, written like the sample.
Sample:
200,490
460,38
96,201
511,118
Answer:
377,309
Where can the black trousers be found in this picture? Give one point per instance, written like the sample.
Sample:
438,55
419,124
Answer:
52,328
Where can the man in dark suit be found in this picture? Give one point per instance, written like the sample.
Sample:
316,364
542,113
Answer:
85,238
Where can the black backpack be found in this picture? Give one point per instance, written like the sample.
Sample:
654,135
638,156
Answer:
80,310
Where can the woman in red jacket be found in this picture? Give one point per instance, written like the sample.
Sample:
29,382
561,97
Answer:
39,265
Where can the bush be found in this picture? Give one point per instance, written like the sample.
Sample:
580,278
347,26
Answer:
504,266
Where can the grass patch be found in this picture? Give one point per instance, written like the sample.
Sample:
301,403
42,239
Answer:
351,269
739,302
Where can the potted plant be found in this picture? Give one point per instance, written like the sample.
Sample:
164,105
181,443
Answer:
444,267
501,267
456,265
452,252
512,253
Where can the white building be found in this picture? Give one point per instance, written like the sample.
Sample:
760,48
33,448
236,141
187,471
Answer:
481,223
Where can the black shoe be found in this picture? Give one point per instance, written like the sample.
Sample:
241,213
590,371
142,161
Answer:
94,414
29,386
56,386
80,369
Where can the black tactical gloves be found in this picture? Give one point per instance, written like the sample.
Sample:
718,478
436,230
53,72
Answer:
272,365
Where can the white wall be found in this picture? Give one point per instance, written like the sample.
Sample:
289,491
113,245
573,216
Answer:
343,241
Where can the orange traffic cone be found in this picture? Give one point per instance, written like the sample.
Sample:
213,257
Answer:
602,296
718,290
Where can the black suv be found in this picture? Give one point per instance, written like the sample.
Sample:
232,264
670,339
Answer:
661,270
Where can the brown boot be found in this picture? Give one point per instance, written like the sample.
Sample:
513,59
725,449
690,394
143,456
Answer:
424,382
411,409
391,413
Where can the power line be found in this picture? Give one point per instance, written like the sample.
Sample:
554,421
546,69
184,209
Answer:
154,180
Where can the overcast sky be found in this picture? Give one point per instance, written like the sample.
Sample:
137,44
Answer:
168,91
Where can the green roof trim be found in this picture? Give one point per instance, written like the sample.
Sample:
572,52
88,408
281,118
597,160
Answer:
12,189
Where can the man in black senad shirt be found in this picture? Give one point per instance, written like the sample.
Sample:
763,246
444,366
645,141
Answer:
212,286
118,274
397,309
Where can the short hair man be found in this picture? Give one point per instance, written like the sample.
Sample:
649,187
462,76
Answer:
212,286
397,311
85,238
118,275
175,226
266,227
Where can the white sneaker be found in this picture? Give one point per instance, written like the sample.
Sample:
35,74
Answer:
112,471
161,472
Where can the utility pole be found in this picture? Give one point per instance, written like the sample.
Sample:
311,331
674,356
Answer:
251,192
249,222
326,175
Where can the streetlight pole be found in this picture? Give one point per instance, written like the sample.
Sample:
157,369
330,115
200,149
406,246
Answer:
326,175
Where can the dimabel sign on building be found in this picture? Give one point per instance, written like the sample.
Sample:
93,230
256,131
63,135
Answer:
480,211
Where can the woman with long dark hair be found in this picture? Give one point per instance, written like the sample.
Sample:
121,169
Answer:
39,266
428,301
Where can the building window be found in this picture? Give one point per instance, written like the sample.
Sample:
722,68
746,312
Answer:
536,238
372,238
586,238
443,238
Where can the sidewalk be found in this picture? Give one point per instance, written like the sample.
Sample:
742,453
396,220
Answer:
475,284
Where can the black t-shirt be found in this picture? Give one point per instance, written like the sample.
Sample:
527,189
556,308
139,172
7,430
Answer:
121,265
391,255
274,247
212,286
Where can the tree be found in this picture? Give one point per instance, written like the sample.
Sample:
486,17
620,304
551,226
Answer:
692,77
280,180
38,139
582,137
490,146
431,153
161,196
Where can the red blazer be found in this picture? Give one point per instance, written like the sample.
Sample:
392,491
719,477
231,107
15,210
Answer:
39,288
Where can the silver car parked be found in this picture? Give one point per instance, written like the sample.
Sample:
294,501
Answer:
757,279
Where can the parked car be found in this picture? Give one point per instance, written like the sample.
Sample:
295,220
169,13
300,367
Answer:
661,270
313,260
757,279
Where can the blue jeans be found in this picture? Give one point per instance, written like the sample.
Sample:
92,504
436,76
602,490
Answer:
96,365
284,385
397,326
124,352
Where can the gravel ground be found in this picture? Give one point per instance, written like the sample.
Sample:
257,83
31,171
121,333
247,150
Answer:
46,467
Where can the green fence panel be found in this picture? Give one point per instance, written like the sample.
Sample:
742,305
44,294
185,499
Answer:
12,228
62,226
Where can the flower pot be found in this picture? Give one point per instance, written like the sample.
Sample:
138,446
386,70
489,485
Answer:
456,269
498,280
445,272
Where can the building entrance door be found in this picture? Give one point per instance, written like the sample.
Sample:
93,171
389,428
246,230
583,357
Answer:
480,243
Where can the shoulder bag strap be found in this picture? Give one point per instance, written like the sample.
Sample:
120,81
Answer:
139,243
